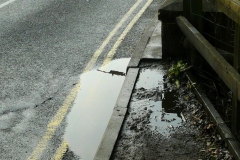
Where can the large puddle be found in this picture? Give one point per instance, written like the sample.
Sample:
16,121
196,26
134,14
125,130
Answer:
93,107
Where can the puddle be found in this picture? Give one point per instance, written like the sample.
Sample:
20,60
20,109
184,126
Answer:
158,101
150,78
93,107
165,117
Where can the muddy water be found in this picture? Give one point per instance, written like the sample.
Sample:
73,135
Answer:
160,101
93,107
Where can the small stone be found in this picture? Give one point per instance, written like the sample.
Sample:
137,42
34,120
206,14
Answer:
150,111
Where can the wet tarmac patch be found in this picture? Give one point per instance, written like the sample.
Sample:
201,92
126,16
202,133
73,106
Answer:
93,107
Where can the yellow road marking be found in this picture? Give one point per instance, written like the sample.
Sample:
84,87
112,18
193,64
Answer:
99,51
6,3
123,35
60,151
52,126
111,54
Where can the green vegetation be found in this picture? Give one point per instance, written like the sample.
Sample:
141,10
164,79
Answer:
175,71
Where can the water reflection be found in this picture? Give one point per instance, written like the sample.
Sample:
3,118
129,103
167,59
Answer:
93,107
164,111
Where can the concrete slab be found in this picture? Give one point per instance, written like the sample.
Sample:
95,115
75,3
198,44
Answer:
137,54
153,49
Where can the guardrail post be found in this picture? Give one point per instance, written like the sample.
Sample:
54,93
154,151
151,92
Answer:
192,10
235,121
196,14
187,9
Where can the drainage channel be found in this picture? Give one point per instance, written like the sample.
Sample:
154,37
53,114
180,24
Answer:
93,107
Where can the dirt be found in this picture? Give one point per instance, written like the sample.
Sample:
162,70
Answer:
165,122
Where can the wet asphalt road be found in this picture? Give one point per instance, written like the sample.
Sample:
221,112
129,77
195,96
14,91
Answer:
44,47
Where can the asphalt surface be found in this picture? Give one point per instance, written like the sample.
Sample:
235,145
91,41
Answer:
44,47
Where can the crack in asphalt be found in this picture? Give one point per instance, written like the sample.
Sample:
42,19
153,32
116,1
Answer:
36,105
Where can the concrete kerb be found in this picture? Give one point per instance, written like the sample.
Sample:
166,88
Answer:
114,126
115,123
223,130
138,53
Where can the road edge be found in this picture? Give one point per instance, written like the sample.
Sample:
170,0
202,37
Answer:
119,112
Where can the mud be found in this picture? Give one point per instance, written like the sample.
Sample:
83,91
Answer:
165,122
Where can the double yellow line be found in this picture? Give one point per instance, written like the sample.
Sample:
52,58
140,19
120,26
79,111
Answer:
57,119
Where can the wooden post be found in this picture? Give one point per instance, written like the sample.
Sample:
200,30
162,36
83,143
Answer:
187,9
235,121
192,10
196,13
